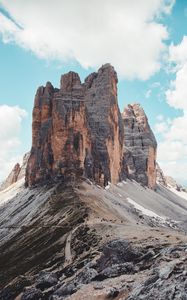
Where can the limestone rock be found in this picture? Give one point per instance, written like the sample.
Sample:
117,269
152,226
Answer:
105,123
12,177
77,130
160,175
171,182
23,166
139,160
168,181
17,173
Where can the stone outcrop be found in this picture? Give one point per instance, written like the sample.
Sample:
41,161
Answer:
171,182
160,178
139,160
77,130
17,173
167,181
12,177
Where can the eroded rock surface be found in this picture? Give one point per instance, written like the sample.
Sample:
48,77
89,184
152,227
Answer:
77,130
139,160
160,176
17,173
63,241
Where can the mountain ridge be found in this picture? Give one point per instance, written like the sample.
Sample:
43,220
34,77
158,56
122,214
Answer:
92,221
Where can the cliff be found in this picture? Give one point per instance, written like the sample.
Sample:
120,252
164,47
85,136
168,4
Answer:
160,177
139,160
17,173
78,130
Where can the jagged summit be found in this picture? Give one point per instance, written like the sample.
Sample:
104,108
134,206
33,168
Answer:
78,131
76,240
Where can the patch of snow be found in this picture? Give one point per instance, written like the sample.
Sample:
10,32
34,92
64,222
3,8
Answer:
178,193
11,191
119,184
144,210
99,186
107,187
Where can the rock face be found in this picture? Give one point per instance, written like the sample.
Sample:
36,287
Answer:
77,130
167,181
170,182
139,160
17,173
160,178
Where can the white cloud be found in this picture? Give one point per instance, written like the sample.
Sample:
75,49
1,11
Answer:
178,53
128,34
172,151
161,127
148,94
10,126
155,84
160,117
176,95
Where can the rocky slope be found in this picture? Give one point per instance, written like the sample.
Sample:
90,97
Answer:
77,230
85,242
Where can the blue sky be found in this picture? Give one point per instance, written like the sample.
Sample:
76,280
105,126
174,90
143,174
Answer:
40,40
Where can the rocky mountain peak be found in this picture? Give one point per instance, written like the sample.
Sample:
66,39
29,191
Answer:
70,81
78,130
17,173
139,146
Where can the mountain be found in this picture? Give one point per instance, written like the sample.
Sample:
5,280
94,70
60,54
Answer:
139,146
168,181
78,130
89,220
17,173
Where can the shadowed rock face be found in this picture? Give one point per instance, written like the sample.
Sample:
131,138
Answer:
77,130
105,123
139,160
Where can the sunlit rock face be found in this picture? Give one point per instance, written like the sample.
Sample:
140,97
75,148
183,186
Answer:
139,160
77,130
160,177
17,173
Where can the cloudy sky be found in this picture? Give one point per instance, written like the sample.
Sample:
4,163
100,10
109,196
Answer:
145,40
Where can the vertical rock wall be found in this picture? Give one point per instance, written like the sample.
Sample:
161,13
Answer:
105,123
139,160
17,173
78,130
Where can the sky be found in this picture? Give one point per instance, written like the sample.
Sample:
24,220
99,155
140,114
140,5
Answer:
145,41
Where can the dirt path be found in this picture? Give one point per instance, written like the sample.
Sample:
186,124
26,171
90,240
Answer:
68,256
